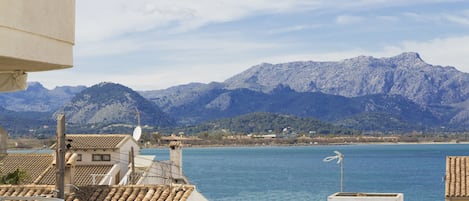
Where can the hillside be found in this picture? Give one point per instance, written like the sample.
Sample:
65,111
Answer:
228,103
38,99
25,123
109,103
262,122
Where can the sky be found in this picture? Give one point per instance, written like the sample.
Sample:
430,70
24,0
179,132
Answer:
156,44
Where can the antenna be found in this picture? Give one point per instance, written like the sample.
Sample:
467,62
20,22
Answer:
138,116
340,160
138,130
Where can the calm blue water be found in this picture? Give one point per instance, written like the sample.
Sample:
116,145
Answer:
298,173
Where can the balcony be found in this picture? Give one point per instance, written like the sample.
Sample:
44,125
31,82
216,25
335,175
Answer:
35,36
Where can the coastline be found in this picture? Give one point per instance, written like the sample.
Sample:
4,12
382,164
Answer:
303,145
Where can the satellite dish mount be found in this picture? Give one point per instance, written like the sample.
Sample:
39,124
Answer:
138,130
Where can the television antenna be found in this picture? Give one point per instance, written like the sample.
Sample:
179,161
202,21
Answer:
340,160
138,130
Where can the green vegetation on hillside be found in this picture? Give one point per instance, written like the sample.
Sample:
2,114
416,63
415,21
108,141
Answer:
264,123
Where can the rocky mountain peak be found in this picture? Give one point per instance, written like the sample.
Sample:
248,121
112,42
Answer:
407,59
405,74
411,56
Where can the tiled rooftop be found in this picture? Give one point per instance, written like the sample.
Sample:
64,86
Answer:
26,190
100,193
33,164
88,141
135,192
82,175
457,176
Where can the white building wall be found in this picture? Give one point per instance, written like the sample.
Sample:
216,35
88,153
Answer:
87,157
124,155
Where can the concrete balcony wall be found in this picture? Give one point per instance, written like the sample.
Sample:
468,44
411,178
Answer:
347,196
36,35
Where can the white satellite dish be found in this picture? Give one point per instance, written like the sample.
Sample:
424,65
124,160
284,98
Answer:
137,133
138,130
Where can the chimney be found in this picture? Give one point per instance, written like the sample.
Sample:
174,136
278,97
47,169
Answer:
3,142
175,156
69,173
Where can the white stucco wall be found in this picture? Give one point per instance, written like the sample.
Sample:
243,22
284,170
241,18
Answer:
124,154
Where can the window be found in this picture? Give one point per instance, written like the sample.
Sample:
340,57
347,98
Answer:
96,157
106,157
79,157
101,157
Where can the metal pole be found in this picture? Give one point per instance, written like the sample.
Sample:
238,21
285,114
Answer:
342,176
132,161
60,156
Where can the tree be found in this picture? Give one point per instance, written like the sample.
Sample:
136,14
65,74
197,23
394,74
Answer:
14,178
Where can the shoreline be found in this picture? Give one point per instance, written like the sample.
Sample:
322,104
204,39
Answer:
303,145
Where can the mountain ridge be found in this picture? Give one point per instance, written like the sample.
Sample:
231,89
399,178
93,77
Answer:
405,74
354,92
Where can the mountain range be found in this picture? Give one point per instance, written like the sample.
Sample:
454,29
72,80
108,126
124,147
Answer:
387,94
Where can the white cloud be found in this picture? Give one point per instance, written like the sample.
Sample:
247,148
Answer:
348,19
294,28
116,27
108,47
462,18
104,19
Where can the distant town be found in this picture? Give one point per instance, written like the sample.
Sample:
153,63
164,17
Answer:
155,140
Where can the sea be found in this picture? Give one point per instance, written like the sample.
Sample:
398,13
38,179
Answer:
299,172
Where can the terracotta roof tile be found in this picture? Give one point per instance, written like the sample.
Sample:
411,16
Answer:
100,193
82,175
27,190
93,141
134,192
457,176
33,164
48,177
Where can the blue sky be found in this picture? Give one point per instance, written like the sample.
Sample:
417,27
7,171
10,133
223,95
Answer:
155,44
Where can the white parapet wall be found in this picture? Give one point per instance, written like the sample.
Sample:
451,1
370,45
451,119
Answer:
366,197
36,35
